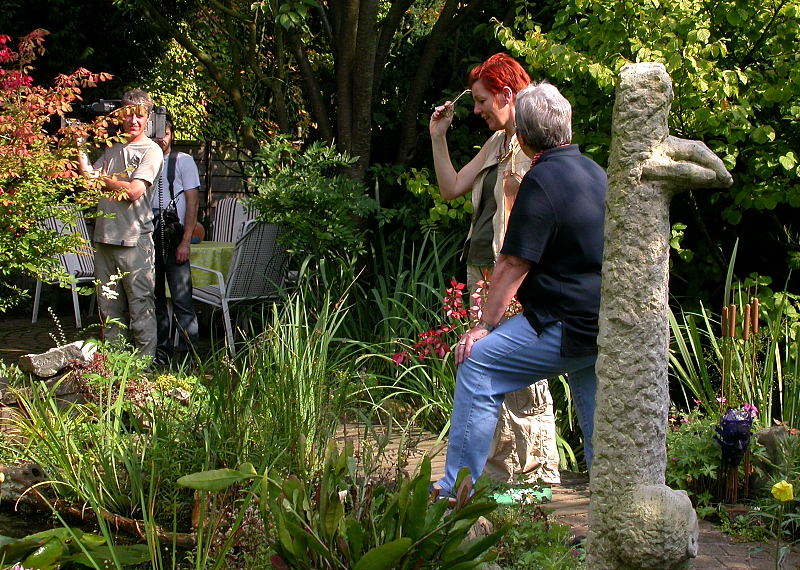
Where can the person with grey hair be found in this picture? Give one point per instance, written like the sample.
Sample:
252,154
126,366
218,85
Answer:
124,251
551,258
524,449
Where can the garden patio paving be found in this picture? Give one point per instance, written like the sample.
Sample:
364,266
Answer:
570,502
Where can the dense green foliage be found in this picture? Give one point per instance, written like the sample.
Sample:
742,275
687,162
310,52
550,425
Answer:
278,67
694,461
123,447
736,79
308,192
92,34
533,541
345,520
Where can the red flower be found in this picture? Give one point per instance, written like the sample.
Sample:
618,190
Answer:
400,358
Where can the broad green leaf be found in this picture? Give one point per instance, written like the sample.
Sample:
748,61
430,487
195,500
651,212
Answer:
16,549
127,555
418,503
474,510
90,541
285,539
474,548
384,556
49,555
788,160
332,516
264,494
763,134
248,469
215,480
733,17
355,538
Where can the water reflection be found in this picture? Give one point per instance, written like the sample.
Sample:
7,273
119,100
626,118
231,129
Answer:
17,524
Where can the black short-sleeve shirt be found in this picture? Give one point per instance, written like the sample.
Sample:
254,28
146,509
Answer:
557,225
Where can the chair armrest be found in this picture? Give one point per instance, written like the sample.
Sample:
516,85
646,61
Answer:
220,277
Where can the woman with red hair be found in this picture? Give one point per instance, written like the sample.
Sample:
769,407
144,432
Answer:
524,446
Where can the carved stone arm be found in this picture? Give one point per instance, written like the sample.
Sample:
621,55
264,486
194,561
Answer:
685,165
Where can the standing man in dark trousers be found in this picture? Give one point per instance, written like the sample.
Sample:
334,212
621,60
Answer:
178,189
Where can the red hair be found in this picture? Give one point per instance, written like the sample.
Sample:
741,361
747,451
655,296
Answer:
500,70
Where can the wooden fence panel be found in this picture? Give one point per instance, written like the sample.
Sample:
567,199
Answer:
221,173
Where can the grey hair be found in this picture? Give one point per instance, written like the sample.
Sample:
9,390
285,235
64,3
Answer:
543,116
137,97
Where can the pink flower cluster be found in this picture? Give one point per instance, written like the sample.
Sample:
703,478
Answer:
453,303
750,409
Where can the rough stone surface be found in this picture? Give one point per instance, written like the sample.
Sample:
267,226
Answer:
16,479
657,526
647,167
54,360
772,439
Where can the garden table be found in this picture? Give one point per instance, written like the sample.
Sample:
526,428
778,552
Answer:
215,255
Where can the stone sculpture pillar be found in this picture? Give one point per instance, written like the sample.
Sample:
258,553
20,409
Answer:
635,520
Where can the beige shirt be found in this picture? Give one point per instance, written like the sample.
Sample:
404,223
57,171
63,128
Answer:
142,160
510,171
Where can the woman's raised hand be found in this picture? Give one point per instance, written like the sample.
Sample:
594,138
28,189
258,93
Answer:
440,119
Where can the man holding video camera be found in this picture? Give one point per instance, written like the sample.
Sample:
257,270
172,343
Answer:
177,194
123,230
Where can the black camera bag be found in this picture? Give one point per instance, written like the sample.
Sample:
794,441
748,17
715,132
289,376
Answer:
168,227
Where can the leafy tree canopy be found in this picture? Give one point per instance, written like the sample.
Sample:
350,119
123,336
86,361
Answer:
92,34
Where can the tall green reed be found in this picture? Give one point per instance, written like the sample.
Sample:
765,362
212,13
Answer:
400,297
402,294
762,370
305,377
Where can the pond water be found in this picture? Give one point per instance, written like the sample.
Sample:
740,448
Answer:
17,524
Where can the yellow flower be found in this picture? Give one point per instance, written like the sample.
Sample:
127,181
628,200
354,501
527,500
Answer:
783,491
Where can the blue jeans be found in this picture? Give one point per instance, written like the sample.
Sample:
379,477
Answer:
179,278
511,357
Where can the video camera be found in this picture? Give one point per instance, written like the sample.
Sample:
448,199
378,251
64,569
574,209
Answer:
156,124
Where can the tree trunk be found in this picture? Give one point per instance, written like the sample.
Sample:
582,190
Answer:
363,87
313,90
408,125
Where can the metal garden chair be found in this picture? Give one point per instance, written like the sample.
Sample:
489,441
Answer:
230,216
257,273
80,265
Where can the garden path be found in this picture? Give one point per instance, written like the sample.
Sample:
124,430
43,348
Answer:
570,506
570,502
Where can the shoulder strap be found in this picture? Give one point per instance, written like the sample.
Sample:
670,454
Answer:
171,160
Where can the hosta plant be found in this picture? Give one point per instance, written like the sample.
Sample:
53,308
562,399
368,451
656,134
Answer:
343,520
